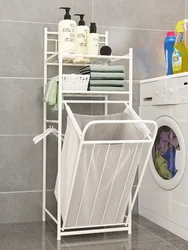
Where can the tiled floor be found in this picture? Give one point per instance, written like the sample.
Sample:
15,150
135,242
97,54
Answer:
38,236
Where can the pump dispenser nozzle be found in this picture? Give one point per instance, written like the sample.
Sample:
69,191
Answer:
81,22
67,14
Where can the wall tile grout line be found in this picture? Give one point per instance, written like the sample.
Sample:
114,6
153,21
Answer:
18,135
29,191
185,9
26,22
21,78
99,26
131,28
92,11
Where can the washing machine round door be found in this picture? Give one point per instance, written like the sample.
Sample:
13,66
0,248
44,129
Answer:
168,154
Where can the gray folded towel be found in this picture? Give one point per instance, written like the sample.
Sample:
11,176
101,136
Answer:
103,68
98,88
107,83
107,76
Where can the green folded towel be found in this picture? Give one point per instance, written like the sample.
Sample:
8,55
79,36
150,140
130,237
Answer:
110,83
103,68
102,88
107,76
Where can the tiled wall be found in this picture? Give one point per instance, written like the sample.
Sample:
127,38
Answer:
131,23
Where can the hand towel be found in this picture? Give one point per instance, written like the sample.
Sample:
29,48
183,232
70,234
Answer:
51,94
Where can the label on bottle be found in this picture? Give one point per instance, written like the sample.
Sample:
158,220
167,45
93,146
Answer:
67,38
166,60
81,41
176,61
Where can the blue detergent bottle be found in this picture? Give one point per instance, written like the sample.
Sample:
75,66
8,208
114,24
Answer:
169,50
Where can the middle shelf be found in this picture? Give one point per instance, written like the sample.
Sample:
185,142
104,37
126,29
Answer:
72,92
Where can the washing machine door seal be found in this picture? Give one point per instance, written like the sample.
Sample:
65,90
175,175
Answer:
168,160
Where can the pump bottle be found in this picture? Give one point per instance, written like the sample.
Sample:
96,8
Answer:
93,40
82,32
66,33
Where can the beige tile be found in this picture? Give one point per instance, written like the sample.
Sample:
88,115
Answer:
21,49
21,108
150,14
20,164
43,10
148,52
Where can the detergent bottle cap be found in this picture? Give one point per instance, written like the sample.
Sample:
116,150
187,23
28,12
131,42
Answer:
181,26
170,33
81,22
67,14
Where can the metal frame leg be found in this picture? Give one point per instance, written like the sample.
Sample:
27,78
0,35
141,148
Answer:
130,218
59,148
44,128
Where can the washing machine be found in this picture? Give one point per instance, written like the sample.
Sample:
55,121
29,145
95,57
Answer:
163,197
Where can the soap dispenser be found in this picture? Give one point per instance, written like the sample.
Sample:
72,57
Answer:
82,32
66,33
93,40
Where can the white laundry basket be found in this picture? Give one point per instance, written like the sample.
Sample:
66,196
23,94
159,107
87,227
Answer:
98,172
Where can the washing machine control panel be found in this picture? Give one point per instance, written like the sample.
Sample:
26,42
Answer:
164,90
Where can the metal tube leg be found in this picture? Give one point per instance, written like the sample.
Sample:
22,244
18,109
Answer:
59,148
44,128
130,218
44,183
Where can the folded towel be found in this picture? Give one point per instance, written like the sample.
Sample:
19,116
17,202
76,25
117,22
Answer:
103,68
98,88
107,76
107,83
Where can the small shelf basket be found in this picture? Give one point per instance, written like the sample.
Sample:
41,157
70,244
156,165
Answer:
75,82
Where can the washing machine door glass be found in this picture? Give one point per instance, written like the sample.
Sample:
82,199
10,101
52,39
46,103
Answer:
168,154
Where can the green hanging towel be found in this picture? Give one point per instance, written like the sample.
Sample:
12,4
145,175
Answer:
51,94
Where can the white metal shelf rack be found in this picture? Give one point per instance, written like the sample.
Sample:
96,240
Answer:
51,58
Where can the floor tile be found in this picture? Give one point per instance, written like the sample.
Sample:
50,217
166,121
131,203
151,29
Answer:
138,235
160,245
42,236
153,228
180,244
24,228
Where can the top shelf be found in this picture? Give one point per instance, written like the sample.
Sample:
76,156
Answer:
81,60
52,55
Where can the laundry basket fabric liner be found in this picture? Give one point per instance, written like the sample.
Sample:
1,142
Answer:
82,211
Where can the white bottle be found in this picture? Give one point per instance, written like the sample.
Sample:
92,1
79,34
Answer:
93,40
82,32
66,33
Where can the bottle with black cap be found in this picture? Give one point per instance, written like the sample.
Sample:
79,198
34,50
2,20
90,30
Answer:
93,40
81,35
66,32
